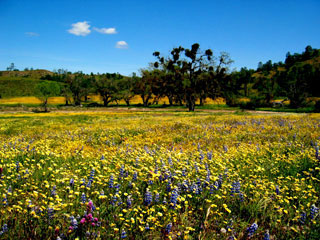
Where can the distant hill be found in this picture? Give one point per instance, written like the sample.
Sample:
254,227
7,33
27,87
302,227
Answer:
21,83
30,73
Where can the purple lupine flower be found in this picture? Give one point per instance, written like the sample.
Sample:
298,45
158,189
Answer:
184,172
252,229
4,229
157,198
225,148
266,235
120,201
71,183
168,187
83,198
53,191
174,198
235,188
147,198
73,222
17,166
91,178
277,190
135,176
121,172
111,181
123,234
168,228
313,211
303,217
147,227
50,212
164,200
129,202
317,153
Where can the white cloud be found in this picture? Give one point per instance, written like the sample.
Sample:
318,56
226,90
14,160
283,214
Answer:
106,30
32,34
122,45
80,28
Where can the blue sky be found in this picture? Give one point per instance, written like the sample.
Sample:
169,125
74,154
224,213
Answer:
83,35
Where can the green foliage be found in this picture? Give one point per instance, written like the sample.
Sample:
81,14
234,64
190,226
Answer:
47,89
107,87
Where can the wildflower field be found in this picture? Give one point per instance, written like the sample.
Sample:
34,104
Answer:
159,175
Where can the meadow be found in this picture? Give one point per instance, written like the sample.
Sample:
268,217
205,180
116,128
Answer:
159,175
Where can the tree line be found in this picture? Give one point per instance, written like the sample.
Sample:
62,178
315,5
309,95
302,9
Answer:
188,75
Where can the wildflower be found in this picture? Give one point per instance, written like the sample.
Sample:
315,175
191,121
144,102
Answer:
252,229
89,206
71,183
225,148
303,217
129,202
184,172
266,235
17,166
121,172
313,211
111,181
147,198
53,192
157,197
235,188
168,228
4,200
83,198
135,176
73,222
277,190
4,229
50,212
174,197
91,178
123,234
147,227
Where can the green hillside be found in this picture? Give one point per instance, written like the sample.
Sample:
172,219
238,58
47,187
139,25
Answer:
20,83
17,86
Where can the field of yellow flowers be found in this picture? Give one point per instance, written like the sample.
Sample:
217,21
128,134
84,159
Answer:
159,175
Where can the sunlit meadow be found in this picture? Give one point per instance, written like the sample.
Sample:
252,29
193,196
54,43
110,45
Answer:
159,175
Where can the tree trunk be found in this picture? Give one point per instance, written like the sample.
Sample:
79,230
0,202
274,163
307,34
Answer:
45,105
127,102
201,101
246,89
170,100
191,103
105,101
77,100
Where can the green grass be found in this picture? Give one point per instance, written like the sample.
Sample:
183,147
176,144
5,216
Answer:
287,109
